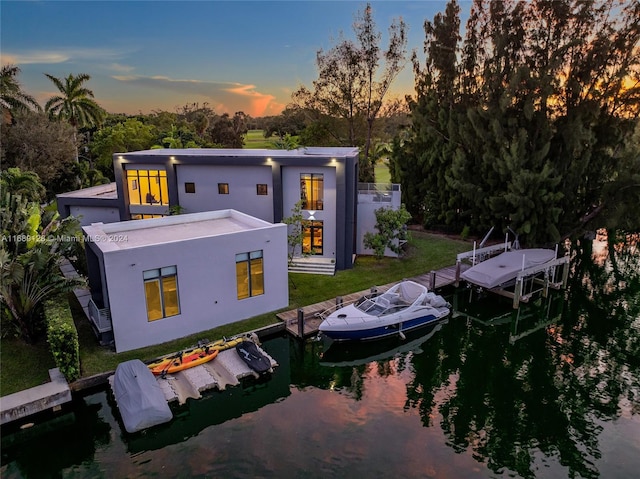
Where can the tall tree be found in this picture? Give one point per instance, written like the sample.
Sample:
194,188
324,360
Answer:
352,85
75,103
35,143
12,98
525,127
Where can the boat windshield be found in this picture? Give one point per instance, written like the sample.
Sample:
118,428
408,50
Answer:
380,305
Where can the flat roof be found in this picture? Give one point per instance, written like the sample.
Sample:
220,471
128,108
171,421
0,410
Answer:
125,235
108,191
328,152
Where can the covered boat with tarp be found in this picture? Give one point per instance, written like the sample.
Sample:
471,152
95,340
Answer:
140,399
502,270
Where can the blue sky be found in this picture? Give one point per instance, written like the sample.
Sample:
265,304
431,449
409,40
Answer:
160,55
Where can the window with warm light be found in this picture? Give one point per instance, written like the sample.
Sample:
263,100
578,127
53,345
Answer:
147,187
249,274
312,191
223,188
312,232
161,292
262,189
145,217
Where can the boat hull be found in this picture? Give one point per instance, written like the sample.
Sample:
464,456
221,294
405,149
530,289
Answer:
378,332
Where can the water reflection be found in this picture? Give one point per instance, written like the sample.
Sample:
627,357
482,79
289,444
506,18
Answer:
50,446
548,390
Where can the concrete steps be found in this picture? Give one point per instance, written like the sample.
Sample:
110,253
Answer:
312,266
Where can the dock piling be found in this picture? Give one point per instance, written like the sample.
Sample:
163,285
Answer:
301,323
432,280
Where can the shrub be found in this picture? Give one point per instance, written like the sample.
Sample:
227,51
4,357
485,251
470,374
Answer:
63,337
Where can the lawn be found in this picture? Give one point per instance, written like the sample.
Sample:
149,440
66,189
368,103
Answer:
26,366
255,139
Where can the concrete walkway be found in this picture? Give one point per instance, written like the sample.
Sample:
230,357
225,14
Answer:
51,395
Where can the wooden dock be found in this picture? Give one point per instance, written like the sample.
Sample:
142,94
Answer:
311,320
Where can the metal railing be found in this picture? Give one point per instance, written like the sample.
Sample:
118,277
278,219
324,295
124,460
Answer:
378,192
100,317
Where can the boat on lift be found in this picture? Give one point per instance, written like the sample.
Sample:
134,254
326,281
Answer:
501,271
403,307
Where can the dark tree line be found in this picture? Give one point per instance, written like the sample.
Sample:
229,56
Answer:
528,121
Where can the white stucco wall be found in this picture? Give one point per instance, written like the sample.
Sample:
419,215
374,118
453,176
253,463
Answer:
94,214
291,195
367,206
206,284
242,195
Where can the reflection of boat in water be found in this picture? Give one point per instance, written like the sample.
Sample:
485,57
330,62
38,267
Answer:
404,306
523,321
357,353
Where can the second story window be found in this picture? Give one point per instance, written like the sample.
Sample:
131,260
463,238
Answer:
147,187
223,188
312,191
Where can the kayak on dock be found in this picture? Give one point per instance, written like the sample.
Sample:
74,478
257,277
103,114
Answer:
189,358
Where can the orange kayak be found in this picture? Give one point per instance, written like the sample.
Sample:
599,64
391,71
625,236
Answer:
183,360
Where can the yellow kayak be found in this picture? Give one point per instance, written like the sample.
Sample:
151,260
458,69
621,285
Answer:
189,358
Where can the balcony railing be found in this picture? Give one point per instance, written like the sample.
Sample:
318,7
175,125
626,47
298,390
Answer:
100,317
378,192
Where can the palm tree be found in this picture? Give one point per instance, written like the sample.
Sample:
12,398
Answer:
24,183
30,259
75,103
12,98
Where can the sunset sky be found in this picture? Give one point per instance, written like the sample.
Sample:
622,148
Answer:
160,55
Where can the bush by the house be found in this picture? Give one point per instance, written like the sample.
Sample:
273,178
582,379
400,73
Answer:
63,337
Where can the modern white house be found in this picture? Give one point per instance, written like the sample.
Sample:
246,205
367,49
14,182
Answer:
158,280
215,191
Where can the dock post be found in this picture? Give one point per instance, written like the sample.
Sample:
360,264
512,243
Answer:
338,302
565,273
301,323
517,292
432,280
457,283
374,291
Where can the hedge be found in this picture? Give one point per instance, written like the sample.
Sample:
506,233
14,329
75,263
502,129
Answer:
62,337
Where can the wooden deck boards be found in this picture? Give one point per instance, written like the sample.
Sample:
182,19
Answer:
443,277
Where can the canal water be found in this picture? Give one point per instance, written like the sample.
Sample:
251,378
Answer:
550,390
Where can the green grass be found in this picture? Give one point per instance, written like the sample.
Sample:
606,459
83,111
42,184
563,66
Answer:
23,365
26,366
383,175
255,139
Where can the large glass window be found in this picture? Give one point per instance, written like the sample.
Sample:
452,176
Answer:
145,217
312,237
249,274
161,291
147,187
312,191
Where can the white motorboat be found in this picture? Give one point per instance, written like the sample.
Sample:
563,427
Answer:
502,270
404,306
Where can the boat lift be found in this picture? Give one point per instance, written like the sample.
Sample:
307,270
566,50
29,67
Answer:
529,281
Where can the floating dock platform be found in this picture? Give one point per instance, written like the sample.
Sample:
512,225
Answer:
226,369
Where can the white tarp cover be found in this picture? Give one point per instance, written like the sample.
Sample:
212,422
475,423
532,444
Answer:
506,266
140,399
